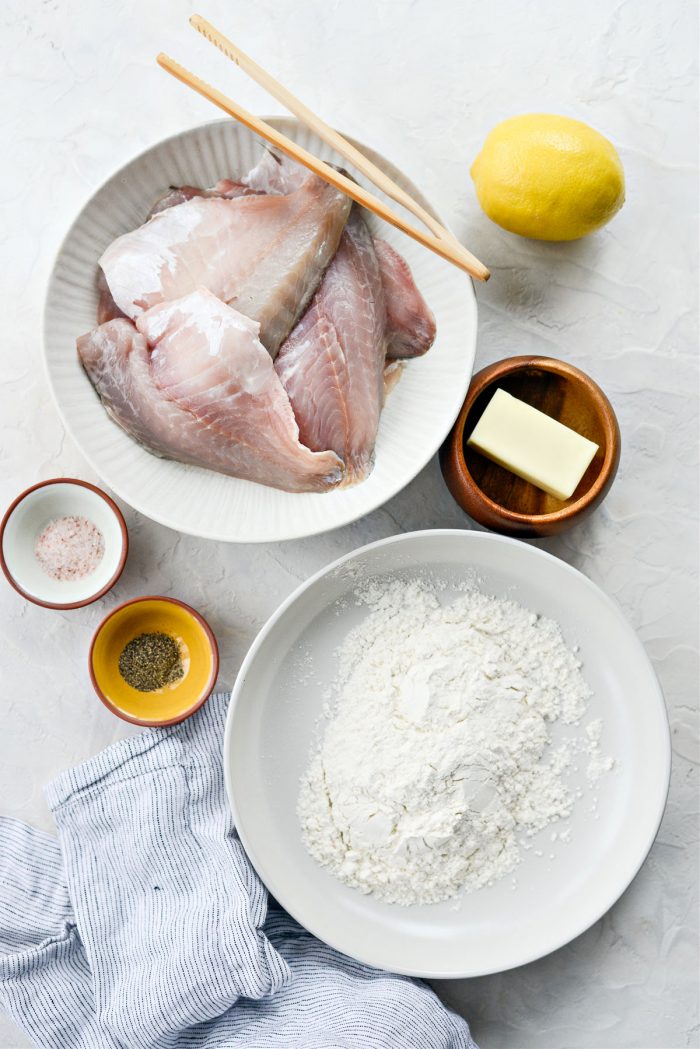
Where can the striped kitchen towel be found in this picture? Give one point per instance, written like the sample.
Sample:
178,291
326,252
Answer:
144,925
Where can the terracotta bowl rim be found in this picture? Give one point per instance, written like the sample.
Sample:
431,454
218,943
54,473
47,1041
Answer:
206,690
65,605
491,373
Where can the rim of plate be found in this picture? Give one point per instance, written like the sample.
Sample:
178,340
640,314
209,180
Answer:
555,942
281,123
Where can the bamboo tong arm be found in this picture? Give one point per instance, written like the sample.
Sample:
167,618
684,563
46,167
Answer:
324,131
442,244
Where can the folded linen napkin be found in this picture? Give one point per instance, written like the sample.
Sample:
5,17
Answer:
145,926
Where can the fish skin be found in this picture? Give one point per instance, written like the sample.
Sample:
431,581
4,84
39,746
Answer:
107,309
264,255
115,357
393,370
326,354
332,364
275,173
196,385
410,324
225,187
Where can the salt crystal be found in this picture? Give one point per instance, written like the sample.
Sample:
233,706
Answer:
69,548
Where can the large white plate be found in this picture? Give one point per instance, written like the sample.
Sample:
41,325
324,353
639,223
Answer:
417,417
275,708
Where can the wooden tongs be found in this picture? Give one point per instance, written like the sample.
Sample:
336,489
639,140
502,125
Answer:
439,239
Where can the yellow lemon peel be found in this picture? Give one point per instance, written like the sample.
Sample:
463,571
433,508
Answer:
548,177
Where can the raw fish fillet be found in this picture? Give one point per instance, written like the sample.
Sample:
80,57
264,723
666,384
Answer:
107,309
264,255
332,365
225,187
205,392
410,324
275,173
393,370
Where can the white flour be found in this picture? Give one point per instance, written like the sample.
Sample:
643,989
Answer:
436,761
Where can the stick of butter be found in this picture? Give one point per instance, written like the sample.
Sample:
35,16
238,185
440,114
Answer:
532,445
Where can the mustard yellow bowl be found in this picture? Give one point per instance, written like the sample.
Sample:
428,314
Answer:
199,654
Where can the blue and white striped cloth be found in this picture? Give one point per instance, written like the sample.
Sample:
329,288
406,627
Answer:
144,926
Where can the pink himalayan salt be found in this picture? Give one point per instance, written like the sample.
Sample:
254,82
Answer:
69,548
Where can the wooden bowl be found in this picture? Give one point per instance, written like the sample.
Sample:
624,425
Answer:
494,496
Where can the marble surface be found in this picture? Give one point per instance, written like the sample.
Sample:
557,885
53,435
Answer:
423,82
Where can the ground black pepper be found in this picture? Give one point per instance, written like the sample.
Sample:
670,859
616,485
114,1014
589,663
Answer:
151,661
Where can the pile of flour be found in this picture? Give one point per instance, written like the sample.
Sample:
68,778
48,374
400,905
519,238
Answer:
436,755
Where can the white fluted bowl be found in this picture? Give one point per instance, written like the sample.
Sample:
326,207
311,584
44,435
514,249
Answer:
417,417
561,888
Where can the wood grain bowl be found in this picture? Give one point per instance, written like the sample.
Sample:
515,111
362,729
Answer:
494,496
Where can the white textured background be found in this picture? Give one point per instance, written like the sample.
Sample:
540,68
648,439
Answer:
423,82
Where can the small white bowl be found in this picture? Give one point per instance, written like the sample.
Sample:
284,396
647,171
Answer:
26,518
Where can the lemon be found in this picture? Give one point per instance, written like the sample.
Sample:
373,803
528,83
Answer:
548,177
